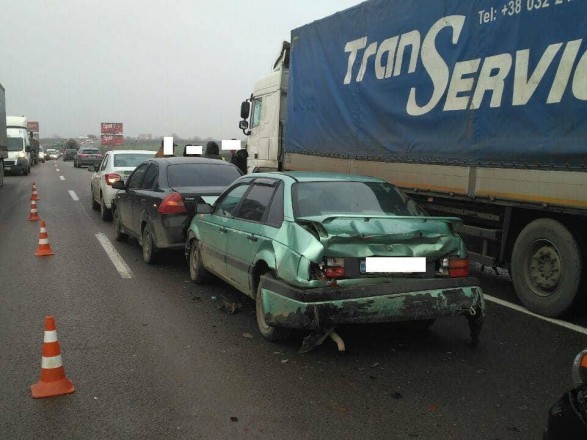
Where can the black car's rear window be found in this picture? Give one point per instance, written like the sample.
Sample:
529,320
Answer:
200,174
90,151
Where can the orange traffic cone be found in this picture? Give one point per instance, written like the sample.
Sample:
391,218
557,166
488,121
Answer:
44,250
35,193
34,215
53,381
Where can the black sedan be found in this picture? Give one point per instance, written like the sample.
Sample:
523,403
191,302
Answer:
158,200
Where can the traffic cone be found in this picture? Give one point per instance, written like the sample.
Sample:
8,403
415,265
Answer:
44,250
35,193
34,215
53,381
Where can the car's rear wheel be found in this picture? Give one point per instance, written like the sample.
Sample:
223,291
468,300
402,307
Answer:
118,234
198,272
105,213
95,205
268,332
149,248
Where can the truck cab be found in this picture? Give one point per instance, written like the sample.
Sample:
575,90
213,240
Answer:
19,146
264,117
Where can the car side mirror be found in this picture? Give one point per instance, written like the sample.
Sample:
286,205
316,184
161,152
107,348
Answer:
579,372
119,185
203,208
92,168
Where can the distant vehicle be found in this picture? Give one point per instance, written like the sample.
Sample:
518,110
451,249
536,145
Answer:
41,154
3,141
69,154
316,250
51,154
19,146
159,198
87,156
116,166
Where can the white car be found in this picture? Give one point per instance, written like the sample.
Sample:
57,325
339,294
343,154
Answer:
116,166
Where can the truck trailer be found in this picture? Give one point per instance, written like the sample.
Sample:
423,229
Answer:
474,108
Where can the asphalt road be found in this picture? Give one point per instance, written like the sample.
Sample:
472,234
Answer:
152,357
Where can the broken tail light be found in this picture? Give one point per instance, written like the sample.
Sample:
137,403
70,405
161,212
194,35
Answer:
455,267
111,178
172,204
334,268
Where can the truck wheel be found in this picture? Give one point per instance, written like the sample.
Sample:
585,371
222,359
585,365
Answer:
268,332
546,268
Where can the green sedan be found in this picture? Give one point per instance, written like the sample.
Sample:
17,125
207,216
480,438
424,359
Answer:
316,250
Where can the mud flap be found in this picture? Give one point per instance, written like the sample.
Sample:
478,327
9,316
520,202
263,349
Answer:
475,319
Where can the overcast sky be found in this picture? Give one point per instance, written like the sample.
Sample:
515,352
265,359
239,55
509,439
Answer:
158,66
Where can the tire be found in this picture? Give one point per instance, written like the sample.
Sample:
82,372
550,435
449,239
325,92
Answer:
1,173
268,332
118,234
546,268
95,205
149,248
105,213
198,273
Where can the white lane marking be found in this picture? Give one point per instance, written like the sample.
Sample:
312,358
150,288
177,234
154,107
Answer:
567,325
62,178
115,257
57,169
73,195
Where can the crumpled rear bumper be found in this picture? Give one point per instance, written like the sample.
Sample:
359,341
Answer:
399,300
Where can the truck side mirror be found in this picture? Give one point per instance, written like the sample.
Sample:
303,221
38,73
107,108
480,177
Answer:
243,125
27,149
245,109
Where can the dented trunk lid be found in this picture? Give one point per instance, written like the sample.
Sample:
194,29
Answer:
390,236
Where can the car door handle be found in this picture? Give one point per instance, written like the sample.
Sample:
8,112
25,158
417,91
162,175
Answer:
251,237
223,229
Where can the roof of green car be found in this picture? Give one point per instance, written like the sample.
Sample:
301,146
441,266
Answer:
311,176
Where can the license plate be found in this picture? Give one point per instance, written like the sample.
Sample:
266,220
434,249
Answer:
393,265
7,168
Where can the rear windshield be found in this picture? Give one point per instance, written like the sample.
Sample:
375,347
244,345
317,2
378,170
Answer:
196,174
340,197
131,159
90,151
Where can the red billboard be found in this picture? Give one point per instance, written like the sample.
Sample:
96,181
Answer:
111,128
112,139
33,126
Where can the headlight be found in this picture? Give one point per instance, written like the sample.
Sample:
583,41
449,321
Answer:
21,154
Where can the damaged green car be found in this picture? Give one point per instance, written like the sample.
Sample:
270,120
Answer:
316,250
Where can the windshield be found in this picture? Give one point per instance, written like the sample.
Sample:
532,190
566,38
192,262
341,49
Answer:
195,174
130,159
15,144
364,198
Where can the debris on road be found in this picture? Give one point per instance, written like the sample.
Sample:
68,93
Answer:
248,335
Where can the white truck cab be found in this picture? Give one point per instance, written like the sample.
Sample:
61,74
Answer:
19,146
264,117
